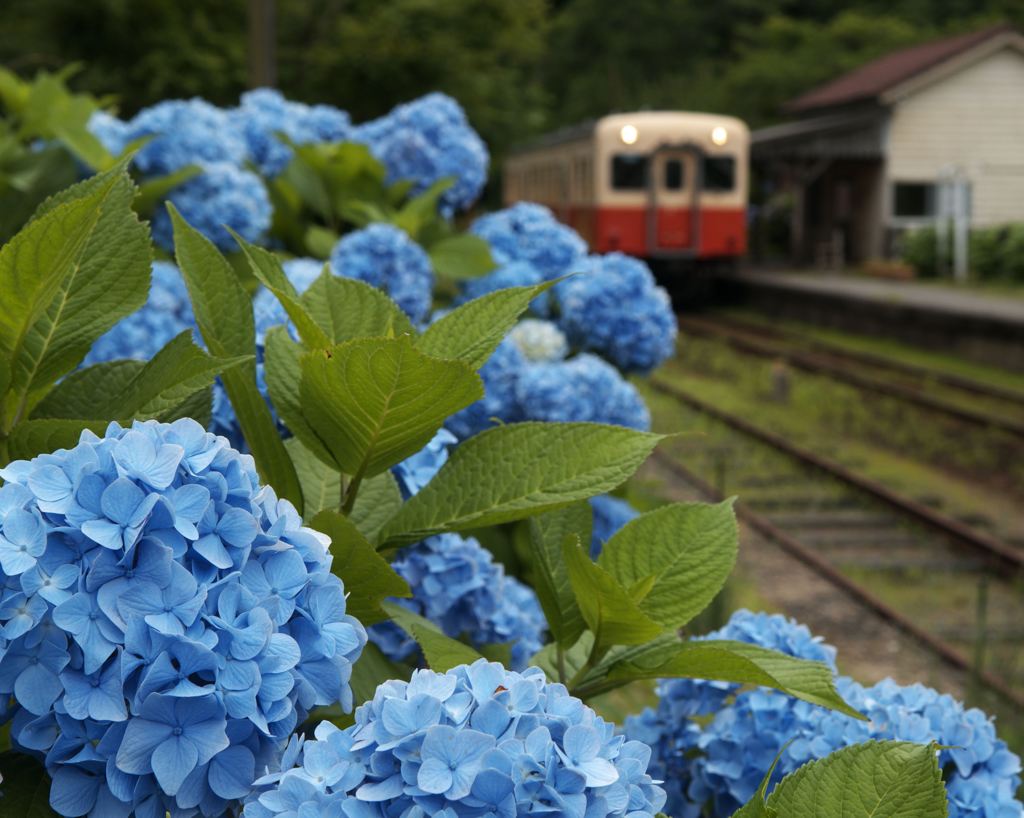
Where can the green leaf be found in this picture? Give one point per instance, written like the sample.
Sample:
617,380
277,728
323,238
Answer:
740,663
686,551
154,190
376,401
368,577
66,278
548,532
127,390
371,670
378,500
877,779
320,241
321,485
605,605
462,257
25,789
574,659
32,437
516,471
473,331
422,209
283,373
269,272
223,312
756,806
441,652
346,308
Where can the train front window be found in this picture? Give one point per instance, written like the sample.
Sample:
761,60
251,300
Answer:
719,173
629,171
673,174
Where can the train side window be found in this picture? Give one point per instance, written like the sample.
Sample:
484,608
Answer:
719,173
629,171
673,174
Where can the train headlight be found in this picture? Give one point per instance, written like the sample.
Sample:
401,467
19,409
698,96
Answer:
629,134
719,135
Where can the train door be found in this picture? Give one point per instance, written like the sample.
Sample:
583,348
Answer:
672,217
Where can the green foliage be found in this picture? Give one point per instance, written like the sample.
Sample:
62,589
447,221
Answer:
512,472
346,308
548,533
441,652
877,779
26,787
461,257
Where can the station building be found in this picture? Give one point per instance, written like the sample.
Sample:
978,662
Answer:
869,155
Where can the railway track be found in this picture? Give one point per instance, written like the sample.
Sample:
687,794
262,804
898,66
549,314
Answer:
955,591
969,401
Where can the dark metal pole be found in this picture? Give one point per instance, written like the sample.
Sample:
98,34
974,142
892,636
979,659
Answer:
262,44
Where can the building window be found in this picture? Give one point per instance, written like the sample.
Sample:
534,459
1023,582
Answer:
719,173
913,200
673,174
629,171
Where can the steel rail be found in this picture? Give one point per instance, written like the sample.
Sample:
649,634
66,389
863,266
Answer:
1006,555
816,365
809,557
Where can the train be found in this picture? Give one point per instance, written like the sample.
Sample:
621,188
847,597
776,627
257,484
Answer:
670,187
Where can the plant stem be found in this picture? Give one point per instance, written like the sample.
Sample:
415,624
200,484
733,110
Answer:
350,495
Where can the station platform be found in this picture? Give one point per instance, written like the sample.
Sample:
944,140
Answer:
982,327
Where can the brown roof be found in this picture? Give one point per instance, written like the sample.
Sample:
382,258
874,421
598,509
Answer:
878,76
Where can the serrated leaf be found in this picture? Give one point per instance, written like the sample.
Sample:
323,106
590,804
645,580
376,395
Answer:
877,779
682,553
516,471
154,190
42,283
550,576
605,605
25,789
376,401
737,662
269,272
368,577
462,257
378,500
473,331
441,652
32,437
346,308
223,312
321,485
88,387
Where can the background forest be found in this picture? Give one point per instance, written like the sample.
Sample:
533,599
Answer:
519,67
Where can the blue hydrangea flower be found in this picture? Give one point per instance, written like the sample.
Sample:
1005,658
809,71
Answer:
141,335
384,256
539,341
222,195
530,232
457,585
415,472
427,140
113,133
264,113
719,763
610,514
584,388
479,740
185,132
172,626
499,403
615,309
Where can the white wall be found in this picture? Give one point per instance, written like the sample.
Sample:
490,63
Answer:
973,119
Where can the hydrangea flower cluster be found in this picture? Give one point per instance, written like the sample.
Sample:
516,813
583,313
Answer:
584,388
427,140
530,233
499,404
616,310
166,621
539,341
513,274
384,256
456,583
264,113
141,335
722,763
223,194
479,740
609,515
